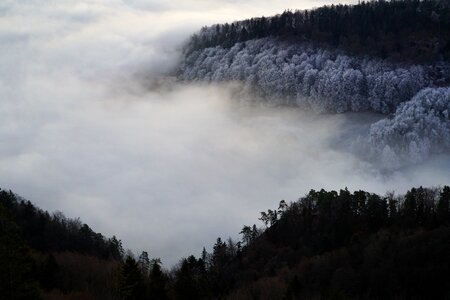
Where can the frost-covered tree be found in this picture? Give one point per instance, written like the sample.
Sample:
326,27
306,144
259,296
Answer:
309,77
297,72
418,128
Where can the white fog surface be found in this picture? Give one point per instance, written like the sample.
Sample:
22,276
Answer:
166,170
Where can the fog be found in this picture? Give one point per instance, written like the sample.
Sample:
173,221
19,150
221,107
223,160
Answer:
166,169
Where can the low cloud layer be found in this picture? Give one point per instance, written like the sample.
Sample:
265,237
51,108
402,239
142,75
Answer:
169,170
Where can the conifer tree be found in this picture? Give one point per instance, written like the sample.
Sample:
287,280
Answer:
130,280
17,279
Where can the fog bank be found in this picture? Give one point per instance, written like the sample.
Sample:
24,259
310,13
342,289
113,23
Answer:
165,170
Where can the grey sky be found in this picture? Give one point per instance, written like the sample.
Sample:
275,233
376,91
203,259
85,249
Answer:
166,172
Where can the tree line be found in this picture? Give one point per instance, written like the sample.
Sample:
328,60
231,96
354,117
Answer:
328,244
55,232
401,29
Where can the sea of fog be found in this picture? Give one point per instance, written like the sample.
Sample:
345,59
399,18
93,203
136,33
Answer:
166,167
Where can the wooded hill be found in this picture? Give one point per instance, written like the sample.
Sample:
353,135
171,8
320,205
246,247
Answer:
404,30
388,57
50,255
326,245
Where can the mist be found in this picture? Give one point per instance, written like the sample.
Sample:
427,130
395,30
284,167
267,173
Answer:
166,169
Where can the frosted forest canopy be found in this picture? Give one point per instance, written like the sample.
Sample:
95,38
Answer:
384,57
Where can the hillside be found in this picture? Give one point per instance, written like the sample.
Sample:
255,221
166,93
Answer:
328,244
48,255
329,60
333,245
406,30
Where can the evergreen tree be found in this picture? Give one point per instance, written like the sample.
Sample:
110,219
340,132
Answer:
144,263
158,281
17,275
130,280
443,207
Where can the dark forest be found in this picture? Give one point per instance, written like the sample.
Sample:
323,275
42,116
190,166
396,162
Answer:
412,30
326,245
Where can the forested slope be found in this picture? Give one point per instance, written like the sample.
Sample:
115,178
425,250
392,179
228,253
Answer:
51,256
407,30
366,57
328,244
332,245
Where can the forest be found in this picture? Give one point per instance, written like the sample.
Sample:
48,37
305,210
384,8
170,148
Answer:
407,30
326,245
369,57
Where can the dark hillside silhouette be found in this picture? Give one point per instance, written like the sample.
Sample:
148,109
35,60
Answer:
409,30
326,245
